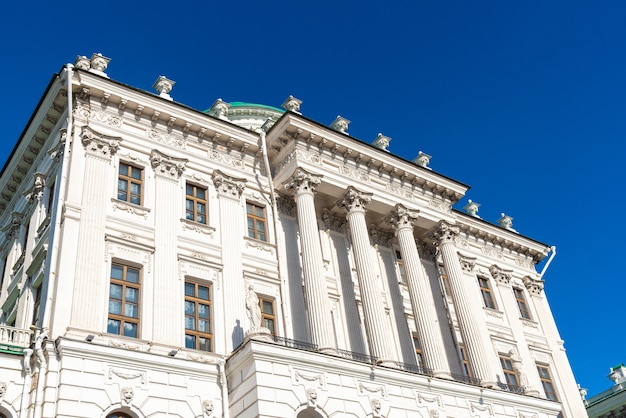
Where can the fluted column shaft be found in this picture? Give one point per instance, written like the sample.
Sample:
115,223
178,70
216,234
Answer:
420,293
315,291
377,328
471,325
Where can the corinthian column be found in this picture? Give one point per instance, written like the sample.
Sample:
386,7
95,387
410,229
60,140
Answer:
471,322
420,292
303,185
378,332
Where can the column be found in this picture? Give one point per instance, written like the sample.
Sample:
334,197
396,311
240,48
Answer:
88,302
303,185
376,324
231,229
420,292
471,322
167,289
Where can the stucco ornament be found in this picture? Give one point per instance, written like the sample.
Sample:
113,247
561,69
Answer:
99,62
220,109
376,407
292,104
506,222
472,208
382,142
340,124
422,159
82,62
3,389
311,395
208,407
163,86
127,394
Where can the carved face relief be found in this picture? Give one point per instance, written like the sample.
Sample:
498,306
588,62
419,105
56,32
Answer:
207,407
127,394
3,389
311,395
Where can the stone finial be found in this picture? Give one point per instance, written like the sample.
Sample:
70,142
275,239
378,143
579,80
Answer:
82,62
506,222
220,109
292,104
340,124
618,374
382,142
99,64
163,86
583,393
472,208
422,160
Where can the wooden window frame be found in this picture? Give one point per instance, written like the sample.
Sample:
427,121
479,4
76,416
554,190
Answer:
488,297
510,375
123,319
465,364
443,274
419,352
192,215
196,300
266,316
251,215
520,298
36,304
401,267
130,180
547,382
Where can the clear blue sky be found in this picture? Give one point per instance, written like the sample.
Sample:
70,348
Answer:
524,101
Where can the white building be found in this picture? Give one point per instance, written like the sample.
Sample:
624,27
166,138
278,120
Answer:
250,262
610,403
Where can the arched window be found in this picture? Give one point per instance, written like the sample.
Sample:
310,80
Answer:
118,415
309,413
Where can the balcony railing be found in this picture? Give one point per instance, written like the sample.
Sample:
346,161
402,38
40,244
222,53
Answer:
415,369
15,337
467,379
511,388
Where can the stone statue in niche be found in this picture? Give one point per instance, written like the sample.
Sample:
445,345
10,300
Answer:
516,362
253,308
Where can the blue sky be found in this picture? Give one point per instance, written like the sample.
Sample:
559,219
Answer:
524,101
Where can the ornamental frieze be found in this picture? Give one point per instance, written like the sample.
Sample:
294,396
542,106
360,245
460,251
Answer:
226,159
166,165
354,173
98,144
165,138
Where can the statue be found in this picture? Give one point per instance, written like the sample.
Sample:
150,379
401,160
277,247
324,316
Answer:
516,362
253,308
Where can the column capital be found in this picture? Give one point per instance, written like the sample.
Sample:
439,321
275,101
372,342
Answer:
355,200
501,276
302,181
98,144
402,218
36,190
228,186
534,286
166,166
12,228
445,233
467,263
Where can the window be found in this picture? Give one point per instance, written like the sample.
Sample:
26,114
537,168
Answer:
25,238
50,198
198,333
129,183
510,375
546,381
124,293
465,364
37,304
485,289
444,279
419,355
256,221
521,303
118,415
401,267
195,204
268,317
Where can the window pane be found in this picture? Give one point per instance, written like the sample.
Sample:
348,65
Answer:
130,330
269,324
135,173
259,212
268,307
261,236
113,326
204,311
204,326
189,205
201,208
122,185
249,208
190,323
189,190
115,307
116,272
115,291
132,294
190,289
190,341
135,188
131,310
205,344
190,308
203,292
201,219
123,169
132,275
201,194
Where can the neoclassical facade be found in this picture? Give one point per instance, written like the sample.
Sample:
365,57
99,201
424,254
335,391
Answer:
247,261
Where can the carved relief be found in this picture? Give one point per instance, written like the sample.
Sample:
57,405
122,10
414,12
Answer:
127,376
227,159
381,237
480,410
445,233
228,186
311,396
165,138
433,404
130,208
99,144
208,407
502,276
365,389
376,406
467,263
3,389
252,243
127,395
534,286
332,221
197,227
401,217
354,173
354,200
167,166
286,205
302,182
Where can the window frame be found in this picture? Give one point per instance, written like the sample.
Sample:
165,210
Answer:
256,220
195,200
489,300
123,319
511,377
268,316
196,300
401,266
419,352
465,364
547,381
36,303
443,275
522,304
129,179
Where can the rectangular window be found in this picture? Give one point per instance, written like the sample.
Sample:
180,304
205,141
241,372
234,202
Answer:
510,375
485,289
521,303
419,355
25,237
124,297
268,316
37,304
546,381
50,198
467,371
198,330
256,221
444,279
129,183
196,204
401,267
